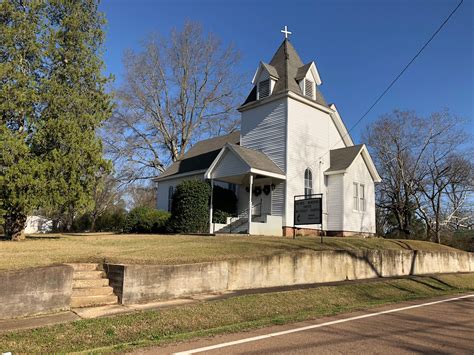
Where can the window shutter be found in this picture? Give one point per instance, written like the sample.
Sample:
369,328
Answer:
264,89
308,88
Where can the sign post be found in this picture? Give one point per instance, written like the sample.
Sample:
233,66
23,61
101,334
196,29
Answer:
308,209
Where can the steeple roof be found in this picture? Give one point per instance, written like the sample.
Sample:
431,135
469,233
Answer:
286,62
289,67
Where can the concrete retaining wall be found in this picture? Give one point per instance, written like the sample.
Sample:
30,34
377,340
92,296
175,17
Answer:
147,283
32,291
142,283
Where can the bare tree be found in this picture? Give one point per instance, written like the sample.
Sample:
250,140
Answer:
142,196
176,91
443,189
107,193
397,148
460,196
442,166
419,162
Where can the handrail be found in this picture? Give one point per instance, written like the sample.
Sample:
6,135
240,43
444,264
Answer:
245,212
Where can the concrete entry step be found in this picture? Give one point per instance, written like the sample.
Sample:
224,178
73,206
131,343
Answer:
90,286
88,301
92,291
88,275
89,283
86,267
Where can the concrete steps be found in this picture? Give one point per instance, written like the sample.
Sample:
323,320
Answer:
88,275
239,226
92,301
90,286
89,283
92,291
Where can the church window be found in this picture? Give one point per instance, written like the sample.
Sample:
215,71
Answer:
308,182
170,197
356,196
361,198
264,89
308,88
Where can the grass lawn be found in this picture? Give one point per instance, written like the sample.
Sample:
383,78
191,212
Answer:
147,328
173,249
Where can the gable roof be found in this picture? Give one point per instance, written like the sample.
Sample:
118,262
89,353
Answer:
200,156
288,66
341,159
301,73
256,159
271,70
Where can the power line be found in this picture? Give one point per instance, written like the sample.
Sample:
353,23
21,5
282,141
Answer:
401,73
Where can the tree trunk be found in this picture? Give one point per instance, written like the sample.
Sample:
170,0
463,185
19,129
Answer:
56,224
94,220
15,226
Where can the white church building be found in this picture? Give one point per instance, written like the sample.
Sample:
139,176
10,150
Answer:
291,143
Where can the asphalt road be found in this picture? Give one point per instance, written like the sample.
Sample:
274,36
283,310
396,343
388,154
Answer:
442,326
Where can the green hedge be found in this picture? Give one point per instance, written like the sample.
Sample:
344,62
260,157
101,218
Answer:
111,221
146,220
463,240
190,207
220,216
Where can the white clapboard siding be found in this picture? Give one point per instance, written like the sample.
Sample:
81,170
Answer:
358,221
229,165
311,133
264,128
335,203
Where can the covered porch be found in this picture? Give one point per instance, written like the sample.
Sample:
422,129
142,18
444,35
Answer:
257,178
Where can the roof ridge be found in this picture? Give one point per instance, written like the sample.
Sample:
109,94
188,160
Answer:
351,146
242,146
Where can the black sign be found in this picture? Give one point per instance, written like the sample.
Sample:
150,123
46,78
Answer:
308,211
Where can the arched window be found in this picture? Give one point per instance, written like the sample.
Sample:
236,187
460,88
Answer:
308,182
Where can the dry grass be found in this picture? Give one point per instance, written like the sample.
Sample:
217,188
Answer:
125,332
173,249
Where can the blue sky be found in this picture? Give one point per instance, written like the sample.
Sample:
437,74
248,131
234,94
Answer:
358,46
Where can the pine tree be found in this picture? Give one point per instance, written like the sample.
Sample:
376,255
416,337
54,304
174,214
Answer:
20,72
69,105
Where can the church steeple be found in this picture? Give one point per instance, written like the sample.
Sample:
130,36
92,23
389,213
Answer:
286,61
288,72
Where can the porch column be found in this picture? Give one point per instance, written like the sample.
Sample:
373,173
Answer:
250,203
211,226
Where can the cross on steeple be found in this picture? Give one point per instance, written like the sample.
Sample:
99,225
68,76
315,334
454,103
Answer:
286,32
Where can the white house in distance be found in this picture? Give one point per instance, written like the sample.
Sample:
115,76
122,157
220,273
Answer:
291,143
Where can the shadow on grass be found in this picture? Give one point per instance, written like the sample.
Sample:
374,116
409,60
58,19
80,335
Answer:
404,245
442,282
38,237
430,285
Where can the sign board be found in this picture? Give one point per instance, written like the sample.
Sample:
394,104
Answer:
308,211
